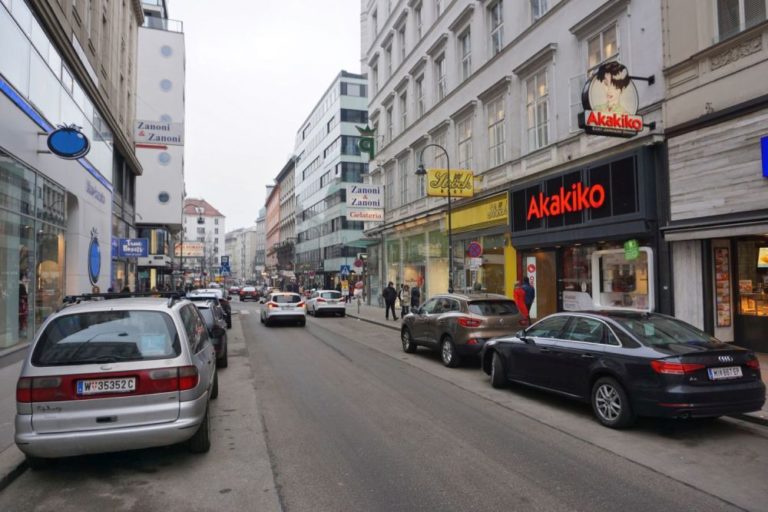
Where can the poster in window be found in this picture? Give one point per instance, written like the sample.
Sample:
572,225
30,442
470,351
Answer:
723,286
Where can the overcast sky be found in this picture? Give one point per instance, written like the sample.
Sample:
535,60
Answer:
255,70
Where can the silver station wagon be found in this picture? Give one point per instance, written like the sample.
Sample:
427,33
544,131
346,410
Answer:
113,375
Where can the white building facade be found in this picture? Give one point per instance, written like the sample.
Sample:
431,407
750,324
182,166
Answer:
204,240
241,246
261,246
327,161
497,86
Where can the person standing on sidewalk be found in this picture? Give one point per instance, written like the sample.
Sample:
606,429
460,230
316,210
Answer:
405,300
519,296
390,296
530,293
415,298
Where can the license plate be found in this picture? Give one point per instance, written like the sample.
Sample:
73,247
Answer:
729,372
286,307
104,386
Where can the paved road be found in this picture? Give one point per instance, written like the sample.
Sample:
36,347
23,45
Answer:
354,424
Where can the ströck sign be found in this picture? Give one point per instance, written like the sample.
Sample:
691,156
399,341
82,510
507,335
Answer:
462,183
577,199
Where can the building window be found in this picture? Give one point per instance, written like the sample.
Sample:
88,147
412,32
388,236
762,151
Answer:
403,111
216,231
388,61
330,124
375,23
349,89
465,50
401,42
200,231
417,21
354,116
440,74
404,173
496,133
438,8
349,145
464,142
603,47
733,16
537,107
216,221
389,192
497,27
439,157
420,96
375,79
538,9
390,125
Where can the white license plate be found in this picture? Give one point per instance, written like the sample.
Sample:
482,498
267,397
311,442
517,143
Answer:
729,372
286,307
104,386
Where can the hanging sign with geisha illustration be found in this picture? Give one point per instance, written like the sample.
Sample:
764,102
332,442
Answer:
610,103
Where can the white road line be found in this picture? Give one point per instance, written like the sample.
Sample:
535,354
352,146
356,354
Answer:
245,312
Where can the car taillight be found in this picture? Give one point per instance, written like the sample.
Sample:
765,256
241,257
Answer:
472,341
162,380
753,363
469,322
321,300
39,389
670,368
188,377
300,304
272,305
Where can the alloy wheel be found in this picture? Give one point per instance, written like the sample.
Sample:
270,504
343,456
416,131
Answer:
608,402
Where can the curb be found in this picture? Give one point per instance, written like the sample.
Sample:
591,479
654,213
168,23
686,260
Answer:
375,322
749,418
12,465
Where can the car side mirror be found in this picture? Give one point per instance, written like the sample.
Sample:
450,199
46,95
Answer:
217,331
522,336
420,311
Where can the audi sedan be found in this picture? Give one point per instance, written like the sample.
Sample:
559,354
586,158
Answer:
459,325
629,364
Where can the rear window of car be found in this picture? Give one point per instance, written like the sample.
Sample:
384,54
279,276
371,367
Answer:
248,289
107,336
331,295
659,330
493,307
286,299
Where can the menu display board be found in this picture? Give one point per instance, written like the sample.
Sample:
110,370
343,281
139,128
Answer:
723,286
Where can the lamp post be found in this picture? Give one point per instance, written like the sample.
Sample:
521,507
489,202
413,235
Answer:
421,171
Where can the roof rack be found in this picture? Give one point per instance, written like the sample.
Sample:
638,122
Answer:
173,297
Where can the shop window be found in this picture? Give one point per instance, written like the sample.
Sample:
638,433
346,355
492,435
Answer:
753,277
621,283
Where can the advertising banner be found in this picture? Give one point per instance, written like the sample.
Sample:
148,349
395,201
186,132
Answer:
365,196
133,248
365,215
191,249
158,132
462,183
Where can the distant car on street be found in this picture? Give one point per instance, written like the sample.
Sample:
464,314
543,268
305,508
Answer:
323,302
234,290
249,293
284,307
628,364
458,325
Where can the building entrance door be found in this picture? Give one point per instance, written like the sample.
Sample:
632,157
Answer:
541,269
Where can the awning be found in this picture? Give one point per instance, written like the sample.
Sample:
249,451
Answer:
703,232
363,242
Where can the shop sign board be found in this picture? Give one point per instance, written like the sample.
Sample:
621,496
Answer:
610,102
365,196
631,250
191,249
492,211
579,197
460,181
68,142
365,214
158,132
133,248
764,151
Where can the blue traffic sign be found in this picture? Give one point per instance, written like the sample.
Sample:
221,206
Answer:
345,270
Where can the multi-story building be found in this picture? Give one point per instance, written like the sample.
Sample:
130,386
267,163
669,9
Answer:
327,160
272,230
261,246
64,63
495,88
203,244
159,139
240,246
716,116
287,246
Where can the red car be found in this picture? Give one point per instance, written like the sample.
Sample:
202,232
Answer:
234,290
249,293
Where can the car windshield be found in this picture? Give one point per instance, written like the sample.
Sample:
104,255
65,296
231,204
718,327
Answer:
660,330
493,307
107,336
286,299
331,295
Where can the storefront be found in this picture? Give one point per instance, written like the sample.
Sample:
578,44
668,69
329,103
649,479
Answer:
418,258
484,260
587,238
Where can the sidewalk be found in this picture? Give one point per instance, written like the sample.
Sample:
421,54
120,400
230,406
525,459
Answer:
11,458
375,315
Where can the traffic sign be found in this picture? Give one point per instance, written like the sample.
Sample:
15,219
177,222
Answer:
358,263
474,250
345,270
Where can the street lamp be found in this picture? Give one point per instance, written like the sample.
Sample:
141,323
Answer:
421,171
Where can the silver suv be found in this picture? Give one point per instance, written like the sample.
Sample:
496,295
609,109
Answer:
113,375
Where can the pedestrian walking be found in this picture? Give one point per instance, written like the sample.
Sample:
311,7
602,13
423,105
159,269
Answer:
519,296
405,300
390,296
530,293
415,298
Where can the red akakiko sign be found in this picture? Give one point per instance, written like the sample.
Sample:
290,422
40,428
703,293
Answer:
610,103
578,198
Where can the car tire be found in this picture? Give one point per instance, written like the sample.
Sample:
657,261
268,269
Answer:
343,314
200,442
215,387
409,346
38,463
224,361
448,353
303,322
498,380
610,403
267,322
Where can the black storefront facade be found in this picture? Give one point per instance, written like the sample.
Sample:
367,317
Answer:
588,237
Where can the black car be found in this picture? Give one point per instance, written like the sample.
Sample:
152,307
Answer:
218,294
213,316
629,364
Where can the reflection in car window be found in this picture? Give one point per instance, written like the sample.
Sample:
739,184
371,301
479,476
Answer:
197,334
430,306
331,295
659,330
586,330
493,307
548,328
286,299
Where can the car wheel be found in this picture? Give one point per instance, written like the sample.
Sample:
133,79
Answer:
409,345
215,387
223,362
267,322
38,463
610,403
343,314
303,322
448,353
498,380
201,441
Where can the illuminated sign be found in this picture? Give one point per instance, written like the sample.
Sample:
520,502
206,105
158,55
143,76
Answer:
576,199
610,102
365,214
68,142
461,183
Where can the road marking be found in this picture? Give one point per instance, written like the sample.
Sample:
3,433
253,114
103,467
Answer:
245,312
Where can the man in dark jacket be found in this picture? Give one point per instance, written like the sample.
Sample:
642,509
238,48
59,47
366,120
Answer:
530,293
415,298
390,295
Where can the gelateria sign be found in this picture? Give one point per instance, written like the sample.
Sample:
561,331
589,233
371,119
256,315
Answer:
610,102
158,132
461,183
575,199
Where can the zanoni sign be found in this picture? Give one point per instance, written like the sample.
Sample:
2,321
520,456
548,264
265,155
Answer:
610,102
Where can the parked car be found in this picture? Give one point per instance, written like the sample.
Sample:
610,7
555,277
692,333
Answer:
213,316
218,294
113,375
322,302
234,290
629,364
249,293
284,307
459,325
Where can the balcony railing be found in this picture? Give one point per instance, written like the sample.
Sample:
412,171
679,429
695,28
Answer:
163,24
